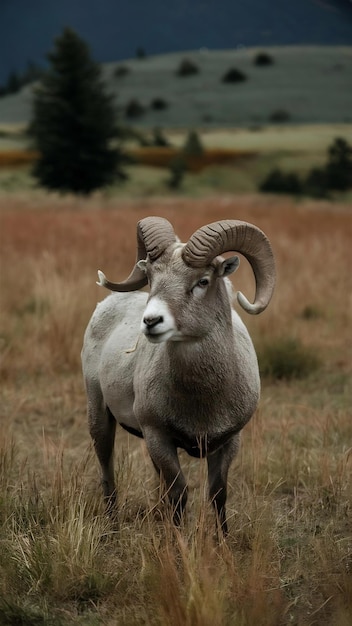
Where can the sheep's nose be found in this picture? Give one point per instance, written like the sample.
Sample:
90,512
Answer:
150,322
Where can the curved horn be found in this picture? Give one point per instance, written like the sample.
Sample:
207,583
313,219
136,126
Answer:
219,237
154,235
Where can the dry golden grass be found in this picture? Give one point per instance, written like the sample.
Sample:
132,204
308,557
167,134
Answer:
288,559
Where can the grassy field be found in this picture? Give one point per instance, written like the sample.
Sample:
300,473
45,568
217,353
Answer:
288,557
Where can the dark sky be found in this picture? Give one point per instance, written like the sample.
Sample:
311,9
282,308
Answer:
115,28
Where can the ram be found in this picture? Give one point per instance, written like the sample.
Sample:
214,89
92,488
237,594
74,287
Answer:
177,366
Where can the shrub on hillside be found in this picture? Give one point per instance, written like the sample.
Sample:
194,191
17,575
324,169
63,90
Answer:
141,53
192,149
339,165
279,116
278,181
336,175
178,169
193,145
187,67
316,183
311,312
159,104
122,70
159,139
234,75
134,108
286,359
263,59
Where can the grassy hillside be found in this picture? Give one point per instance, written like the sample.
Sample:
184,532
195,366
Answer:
302,85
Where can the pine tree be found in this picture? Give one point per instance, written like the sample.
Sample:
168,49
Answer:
339,165
73,121
13,83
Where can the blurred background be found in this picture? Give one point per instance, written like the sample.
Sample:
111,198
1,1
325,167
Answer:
236,97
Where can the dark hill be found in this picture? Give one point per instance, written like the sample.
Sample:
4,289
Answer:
114,30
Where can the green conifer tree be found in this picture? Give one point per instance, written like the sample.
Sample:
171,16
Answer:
73,121
339,165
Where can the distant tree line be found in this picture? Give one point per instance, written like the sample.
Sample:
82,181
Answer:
16,80
335,175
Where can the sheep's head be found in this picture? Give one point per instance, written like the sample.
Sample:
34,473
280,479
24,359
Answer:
184,278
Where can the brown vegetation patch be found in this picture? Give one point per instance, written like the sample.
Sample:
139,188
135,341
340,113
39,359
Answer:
17,158
151,156
165,156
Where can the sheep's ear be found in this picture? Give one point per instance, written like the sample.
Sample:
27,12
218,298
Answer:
142,265
228,266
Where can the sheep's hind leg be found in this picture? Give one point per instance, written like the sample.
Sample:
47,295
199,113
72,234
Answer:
218,467
102,427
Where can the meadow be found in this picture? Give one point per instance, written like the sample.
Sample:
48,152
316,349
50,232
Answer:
288,557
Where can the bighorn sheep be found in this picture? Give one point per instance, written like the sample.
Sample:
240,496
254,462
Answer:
177,366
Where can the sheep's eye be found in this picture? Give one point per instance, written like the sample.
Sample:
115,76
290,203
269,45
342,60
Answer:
200,286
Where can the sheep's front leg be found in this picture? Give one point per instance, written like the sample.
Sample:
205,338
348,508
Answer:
218,467
163,453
